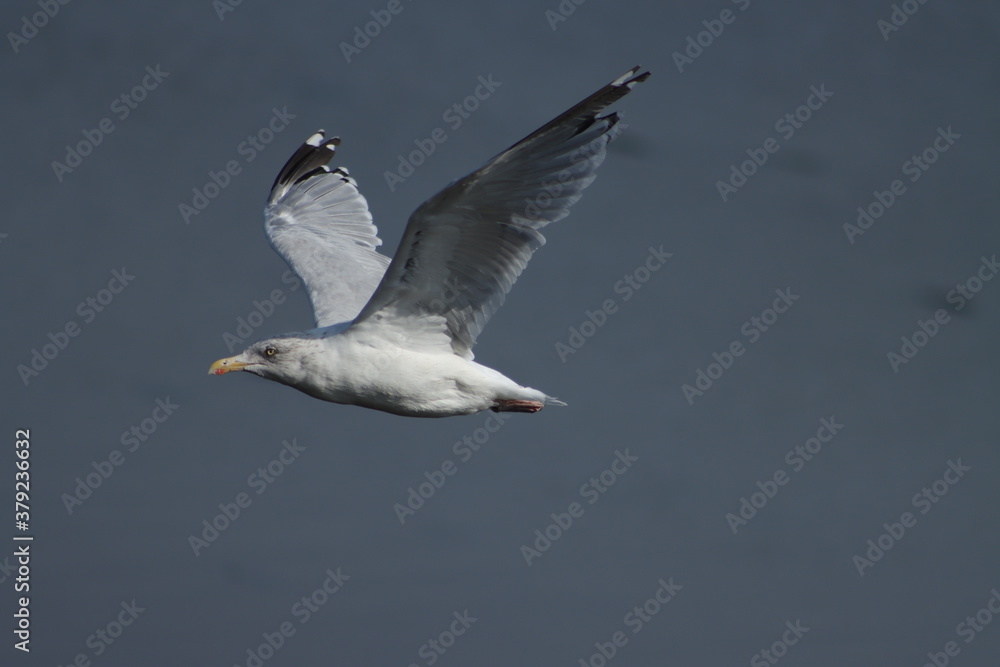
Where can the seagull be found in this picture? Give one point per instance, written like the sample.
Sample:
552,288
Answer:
397,335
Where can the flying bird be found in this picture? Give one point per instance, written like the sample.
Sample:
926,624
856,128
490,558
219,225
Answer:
397,335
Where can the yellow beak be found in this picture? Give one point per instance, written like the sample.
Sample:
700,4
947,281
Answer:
227,365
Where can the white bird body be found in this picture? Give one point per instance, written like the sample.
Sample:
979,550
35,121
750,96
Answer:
397,335
363,368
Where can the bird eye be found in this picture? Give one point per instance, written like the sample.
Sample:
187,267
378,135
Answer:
270,351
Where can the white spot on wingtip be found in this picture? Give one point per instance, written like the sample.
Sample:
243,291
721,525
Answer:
625,77
316,139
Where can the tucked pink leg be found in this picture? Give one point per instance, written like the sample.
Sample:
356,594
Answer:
513,405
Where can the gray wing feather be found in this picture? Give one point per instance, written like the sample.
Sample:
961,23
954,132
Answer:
465,247
319,223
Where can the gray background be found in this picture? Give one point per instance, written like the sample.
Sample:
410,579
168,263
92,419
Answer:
666,516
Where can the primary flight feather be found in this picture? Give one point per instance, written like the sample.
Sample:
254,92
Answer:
397,335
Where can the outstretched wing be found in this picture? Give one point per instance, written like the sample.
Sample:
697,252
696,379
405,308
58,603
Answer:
319,223
464,248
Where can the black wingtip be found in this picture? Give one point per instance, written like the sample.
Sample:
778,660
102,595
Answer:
582,116
311,157
630,78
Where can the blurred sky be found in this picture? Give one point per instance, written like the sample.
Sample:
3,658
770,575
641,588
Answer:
865,411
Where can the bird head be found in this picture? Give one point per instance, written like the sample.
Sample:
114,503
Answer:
280,359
